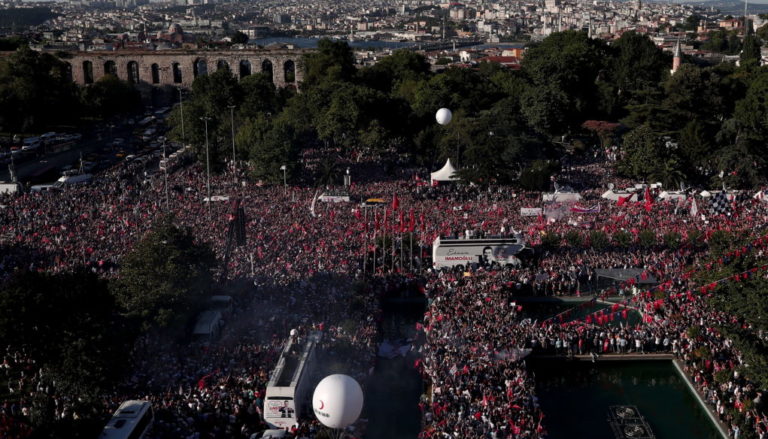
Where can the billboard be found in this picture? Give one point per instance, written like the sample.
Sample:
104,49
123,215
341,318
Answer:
276,409
530,211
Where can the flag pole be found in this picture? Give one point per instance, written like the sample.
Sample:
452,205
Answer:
410,238
365,240
392,238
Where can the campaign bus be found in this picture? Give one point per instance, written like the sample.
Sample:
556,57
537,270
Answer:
132,420
488,252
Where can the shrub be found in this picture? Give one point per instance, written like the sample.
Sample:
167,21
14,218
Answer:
694,237
598,240
550,240
647,238
622,238
574,238
672,240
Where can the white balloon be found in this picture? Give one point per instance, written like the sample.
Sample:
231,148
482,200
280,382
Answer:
337,401
444,116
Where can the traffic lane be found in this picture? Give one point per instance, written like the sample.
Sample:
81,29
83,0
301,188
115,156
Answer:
36,166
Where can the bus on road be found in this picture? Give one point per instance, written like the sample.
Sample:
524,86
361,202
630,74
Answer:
448,253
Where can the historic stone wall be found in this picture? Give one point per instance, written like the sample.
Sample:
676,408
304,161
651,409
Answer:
157,68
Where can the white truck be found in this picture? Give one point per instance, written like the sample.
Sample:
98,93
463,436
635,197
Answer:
288,394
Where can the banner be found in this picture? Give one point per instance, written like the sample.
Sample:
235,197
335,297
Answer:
581,209
530,211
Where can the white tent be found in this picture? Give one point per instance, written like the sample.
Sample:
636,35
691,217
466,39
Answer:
615,195
446,173
561,197
672,195
761,195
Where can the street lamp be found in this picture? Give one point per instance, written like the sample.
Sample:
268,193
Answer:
181,108
232,119
207,163
285,181
167,198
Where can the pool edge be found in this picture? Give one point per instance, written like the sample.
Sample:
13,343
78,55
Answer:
712,417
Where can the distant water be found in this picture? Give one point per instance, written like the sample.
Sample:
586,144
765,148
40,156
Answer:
311,43
575,397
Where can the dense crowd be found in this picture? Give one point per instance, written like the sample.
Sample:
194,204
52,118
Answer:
476,335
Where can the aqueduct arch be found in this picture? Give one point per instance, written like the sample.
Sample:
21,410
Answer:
180,67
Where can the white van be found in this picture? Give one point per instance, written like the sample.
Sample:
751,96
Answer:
67,180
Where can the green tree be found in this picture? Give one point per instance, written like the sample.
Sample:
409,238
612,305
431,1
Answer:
537,175
211,97
540,107
35,92
259,95
239,38
762,32
497,144
750,51
636,67
271,144
390,71
598,240
69,323
646,238
165,277
110,96
622,238
574,238
564,68
333,61
695,142
643,151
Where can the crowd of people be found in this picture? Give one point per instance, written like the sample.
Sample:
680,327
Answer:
302,255
477,336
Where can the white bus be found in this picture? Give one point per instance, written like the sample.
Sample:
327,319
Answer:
132,420
496,252
290,386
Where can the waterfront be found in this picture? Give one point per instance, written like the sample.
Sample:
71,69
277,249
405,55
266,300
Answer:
311,43
575,397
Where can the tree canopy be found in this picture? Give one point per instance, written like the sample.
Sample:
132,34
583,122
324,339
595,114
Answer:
164,278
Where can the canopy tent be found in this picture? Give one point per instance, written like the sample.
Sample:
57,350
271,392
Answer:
615,195
446,173
731,194
761,195
673,195
561,197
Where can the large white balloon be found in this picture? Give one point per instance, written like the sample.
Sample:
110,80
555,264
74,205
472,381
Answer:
337,401
444,116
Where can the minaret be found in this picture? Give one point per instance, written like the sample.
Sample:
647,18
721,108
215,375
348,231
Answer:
676,58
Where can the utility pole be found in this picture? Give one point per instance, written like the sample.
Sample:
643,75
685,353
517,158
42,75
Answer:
181,108
207,164
165,169
232,120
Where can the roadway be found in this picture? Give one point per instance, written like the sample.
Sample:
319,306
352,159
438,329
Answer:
47,167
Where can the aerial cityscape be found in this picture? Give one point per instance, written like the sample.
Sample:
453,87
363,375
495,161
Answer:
370,219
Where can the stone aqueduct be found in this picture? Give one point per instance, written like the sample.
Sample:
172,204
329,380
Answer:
181,67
